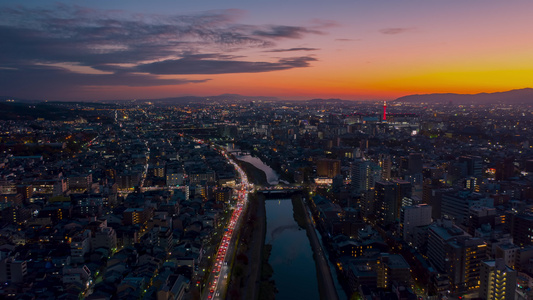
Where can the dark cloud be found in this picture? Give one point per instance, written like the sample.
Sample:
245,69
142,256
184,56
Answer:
277,32
397,30
124,44
94,37
200,65
292,49
48,78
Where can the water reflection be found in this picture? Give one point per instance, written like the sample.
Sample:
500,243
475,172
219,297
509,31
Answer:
271,175
292,256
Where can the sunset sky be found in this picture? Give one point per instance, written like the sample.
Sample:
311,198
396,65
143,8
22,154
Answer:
291,49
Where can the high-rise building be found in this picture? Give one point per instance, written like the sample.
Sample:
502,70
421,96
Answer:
415,163
386,202
392,267
504,169
328,167
522,259
453,251
439,234
464,259
509,252
473,165
432,195
479,215
522,229
498,281
456,204
367,202
412,217
388,199
364,174
386,166
359,175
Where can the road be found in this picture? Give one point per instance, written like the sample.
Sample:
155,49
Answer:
217,283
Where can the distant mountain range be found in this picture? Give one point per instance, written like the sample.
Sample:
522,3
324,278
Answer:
521,96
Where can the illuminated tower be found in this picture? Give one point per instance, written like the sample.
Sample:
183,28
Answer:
385,111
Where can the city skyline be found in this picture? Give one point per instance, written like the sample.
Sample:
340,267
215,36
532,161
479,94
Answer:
356,50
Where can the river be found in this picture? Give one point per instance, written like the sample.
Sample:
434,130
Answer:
292,256
271,175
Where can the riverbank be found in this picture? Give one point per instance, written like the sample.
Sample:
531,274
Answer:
260,284
326,286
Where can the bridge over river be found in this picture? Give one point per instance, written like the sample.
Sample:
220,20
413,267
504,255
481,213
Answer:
238,152
278,192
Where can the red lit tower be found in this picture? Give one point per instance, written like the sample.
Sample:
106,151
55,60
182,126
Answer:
385,111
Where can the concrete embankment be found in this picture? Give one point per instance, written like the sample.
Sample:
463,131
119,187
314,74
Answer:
325,280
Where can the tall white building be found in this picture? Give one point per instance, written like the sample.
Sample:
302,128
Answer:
498,281
412,217
79,246
364,175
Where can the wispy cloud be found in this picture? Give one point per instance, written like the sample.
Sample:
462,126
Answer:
395,30
292,50
347,40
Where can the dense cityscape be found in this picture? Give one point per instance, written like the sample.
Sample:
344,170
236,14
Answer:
139,200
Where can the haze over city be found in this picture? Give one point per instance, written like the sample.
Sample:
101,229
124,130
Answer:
356,50
266,150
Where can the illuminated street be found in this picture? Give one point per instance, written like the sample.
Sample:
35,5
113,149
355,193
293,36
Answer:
219,278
